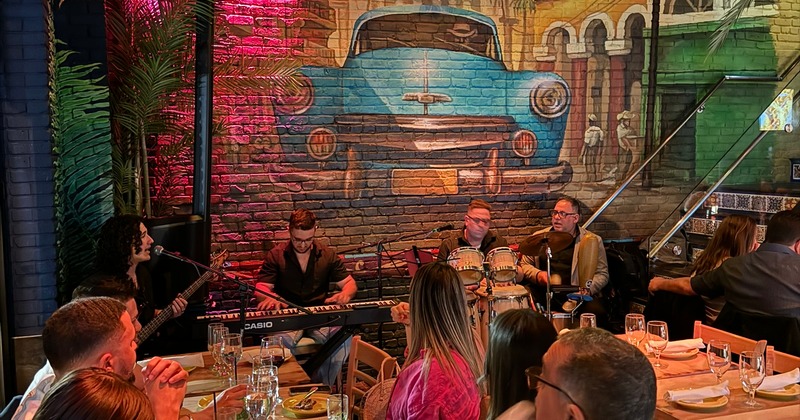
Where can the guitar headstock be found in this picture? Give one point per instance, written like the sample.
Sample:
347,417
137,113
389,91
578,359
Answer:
218,258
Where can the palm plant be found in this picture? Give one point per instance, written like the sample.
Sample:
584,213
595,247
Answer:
149,58
727,22
83,185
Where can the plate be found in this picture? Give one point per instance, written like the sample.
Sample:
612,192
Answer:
677,355
788,392
320,407
706,404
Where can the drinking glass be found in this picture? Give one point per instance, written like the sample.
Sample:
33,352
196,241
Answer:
217,335
719,357
588,321
211,327
271,352
658,337
635,328
258,401
231,350
338,406
752,370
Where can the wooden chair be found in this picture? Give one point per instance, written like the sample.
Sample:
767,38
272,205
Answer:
776,361
359,381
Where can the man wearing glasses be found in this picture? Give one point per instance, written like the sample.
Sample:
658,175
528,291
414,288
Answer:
476,232
584,256
590,374
300,271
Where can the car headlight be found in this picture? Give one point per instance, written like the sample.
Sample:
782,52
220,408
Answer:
321,143
524,143
549,98
295,100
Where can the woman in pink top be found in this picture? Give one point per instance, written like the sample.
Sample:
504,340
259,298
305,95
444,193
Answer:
439,378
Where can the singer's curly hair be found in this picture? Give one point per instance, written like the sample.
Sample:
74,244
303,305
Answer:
117,236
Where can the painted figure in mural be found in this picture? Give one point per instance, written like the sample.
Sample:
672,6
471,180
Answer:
592,144
476,232
300,271
122,249
583,262
629,149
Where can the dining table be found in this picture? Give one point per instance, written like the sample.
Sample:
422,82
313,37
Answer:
204,384
690,370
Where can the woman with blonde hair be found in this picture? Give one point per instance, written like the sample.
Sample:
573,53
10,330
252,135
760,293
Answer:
439,377
735,236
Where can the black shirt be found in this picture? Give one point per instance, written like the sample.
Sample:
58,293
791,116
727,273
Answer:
282,269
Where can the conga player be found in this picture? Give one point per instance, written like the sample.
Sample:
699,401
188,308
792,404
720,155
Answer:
476,233
580,262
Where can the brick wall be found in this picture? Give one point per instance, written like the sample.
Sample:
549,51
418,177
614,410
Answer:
28,204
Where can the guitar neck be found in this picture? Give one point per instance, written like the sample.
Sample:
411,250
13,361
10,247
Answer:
167,312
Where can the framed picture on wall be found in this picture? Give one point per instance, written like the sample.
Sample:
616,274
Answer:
795,170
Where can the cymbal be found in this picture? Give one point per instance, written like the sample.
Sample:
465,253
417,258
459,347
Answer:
534,245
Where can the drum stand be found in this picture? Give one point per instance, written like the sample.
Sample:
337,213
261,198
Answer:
487,272
549,294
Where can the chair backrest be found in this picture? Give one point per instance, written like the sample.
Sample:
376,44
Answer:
776,361
781,332
28,359
359,381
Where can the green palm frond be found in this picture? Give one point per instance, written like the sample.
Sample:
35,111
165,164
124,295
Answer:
83,181
727,22
520,5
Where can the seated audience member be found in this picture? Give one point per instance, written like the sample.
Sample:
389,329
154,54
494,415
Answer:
763,282
439,378
590,374
115,287
735,236
517,340
98,332
94,394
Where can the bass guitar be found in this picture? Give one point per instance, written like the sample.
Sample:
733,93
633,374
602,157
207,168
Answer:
216,261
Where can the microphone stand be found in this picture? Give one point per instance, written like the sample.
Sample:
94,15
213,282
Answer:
549,294
245,289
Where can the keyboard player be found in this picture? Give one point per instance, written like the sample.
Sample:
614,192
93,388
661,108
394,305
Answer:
300,271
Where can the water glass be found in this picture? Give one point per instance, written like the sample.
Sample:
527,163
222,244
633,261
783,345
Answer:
271,352
231,350
338,405
588,321
658,338
719,357
635,328
217,335
258,401
752,370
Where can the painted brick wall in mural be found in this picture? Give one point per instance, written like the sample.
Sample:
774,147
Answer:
409,109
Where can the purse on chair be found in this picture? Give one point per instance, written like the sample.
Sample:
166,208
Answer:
375,402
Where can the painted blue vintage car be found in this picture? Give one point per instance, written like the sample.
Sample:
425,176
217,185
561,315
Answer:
425,105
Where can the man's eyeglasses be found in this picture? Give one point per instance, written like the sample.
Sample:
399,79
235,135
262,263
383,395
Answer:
561,214
479,220
534,374
302,241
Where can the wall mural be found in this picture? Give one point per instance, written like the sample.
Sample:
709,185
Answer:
425,104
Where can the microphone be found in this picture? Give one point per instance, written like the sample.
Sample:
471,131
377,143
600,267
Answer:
442,228
159,250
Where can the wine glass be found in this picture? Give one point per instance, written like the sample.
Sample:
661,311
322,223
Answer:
752,371
217,334
635,328
231,350
271,352
211,328
338,406
719,357
588,321
658,338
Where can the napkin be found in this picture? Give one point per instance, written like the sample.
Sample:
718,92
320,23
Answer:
778,382
187,360
684,345
698,394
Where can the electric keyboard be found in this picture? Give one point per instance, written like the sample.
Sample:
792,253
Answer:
288,319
